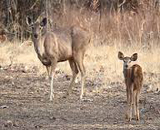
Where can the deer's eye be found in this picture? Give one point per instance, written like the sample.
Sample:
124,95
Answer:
40,28
32,28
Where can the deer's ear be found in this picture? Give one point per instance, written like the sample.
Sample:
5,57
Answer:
43,22
134,57
120,55
29,21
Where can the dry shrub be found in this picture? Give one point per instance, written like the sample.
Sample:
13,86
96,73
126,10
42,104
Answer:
111,32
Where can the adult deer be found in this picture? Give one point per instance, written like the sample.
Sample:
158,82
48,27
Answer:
133,80
58,46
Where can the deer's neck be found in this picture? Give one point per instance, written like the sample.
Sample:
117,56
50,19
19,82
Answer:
127,73
38,46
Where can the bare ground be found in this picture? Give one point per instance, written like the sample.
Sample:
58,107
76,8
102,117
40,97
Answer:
25,105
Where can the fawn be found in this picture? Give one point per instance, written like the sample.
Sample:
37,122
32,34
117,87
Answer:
133,80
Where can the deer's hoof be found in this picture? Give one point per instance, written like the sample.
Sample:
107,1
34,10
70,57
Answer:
137,118
66,95
127,117
81,97
51,98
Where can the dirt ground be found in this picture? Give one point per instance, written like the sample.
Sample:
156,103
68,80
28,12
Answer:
25,105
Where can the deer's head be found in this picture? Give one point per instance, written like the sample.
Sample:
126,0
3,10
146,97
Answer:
36,27
127,60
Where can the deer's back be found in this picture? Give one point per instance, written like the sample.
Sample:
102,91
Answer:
134,76
61,44
80,38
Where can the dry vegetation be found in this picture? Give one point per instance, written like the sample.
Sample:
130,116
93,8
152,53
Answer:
113,30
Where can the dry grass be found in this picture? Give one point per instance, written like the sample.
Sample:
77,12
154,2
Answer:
100,61
18,53
127,32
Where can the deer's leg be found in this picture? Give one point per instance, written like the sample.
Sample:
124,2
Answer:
53,66
134,102
130,103
137,105
74,72
48,70
79,62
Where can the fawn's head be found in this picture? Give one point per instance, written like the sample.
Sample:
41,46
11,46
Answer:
36,27
127,60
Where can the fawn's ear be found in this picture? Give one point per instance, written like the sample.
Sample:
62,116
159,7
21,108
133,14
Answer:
29,21
134,57
43,22
120,55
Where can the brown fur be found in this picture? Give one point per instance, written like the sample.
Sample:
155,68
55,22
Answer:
134,76
58,46
133,79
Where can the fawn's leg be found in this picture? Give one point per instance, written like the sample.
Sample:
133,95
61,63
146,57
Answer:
137,105
128,100
134,102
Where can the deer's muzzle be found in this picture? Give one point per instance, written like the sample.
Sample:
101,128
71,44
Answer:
35,35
